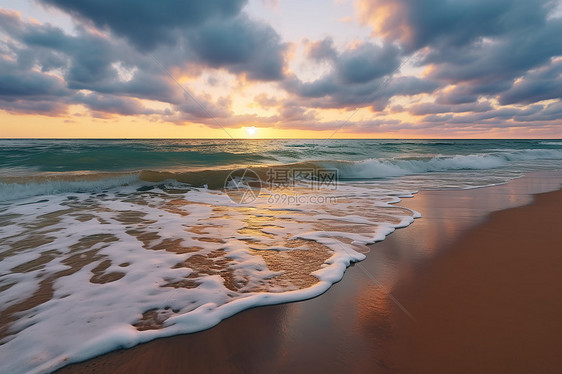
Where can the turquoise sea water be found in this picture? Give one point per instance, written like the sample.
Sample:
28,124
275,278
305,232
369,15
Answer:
29,156
132,240
472,162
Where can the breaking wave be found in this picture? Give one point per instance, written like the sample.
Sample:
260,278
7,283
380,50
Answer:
371,168
27,187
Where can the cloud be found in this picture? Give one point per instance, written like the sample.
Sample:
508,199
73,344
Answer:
28,91
541,84
360,76
146,23
322,50
241,45
434,108
86,59
213,33
449,23
16,83
490,68
110,104
503,117
265,101
480,46
50,69
331,92
292,113
204,109
356,127
488,64
550,112
367,62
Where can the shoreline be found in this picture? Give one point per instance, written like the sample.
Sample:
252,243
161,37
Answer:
353,326
492,303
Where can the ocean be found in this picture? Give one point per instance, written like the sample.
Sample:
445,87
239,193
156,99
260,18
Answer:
109,243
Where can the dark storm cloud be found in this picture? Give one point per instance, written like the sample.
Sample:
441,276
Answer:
471,92
111,104
331,92
434,108
151,86
449,23
148,23
479,46
481,53
214,33
552,112
28,91
241,45
366,62
86,58
356,66
360,76
490,68
24,91
47,36
496,116
541,84
89,60
85,61
17,83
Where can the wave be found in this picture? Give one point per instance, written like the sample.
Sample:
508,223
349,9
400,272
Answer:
375,168
366,169
171,276
372,168
551,143
29,187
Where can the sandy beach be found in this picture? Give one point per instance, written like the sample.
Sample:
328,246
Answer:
264,186
492,304
460,290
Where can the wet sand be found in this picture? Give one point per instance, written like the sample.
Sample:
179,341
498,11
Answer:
483,290
494,303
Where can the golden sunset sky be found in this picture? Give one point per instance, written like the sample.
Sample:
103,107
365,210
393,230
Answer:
281,69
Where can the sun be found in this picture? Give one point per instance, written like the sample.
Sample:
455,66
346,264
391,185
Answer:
251,131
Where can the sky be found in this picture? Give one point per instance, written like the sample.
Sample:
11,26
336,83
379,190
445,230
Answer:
281,69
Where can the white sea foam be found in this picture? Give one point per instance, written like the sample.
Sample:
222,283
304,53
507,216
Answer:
365,169
141,236
374,168
90,318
